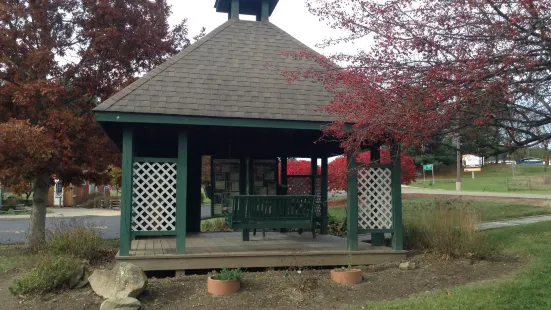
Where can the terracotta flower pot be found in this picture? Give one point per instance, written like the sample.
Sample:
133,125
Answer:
347,276
223,287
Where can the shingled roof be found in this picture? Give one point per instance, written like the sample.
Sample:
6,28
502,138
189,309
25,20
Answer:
231,72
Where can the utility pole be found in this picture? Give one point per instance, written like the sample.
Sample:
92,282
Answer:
458,146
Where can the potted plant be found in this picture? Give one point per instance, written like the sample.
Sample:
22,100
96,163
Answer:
347,275
225,282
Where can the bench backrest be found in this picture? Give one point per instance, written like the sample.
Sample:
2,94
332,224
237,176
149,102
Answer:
272,207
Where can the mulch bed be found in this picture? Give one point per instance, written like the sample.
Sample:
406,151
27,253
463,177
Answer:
286,289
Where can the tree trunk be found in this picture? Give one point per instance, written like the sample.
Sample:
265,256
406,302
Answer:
36,235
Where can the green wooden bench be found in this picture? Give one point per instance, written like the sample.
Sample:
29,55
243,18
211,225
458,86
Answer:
265,212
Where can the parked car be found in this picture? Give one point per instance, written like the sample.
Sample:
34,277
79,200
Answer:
531,161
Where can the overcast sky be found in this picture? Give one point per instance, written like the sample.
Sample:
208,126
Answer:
290,15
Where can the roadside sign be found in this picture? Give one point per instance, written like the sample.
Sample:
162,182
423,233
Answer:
476,169
428,167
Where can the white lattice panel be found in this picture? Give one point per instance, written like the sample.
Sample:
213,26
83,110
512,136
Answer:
154,196
375,198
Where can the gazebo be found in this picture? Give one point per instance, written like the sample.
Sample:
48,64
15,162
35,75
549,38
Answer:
224,97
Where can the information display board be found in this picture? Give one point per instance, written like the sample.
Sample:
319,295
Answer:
225,184
225,181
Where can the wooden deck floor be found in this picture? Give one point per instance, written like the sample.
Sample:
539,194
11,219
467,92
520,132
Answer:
226,250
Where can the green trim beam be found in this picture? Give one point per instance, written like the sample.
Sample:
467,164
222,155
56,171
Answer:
397,224
154,233
181,193
126,199
352,205
374,230
122,117
155,160
324,189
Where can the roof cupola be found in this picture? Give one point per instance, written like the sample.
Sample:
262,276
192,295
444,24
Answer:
262,9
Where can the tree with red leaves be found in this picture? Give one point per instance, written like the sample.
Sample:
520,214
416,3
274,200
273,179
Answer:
58,60
444,67
337,169
300,167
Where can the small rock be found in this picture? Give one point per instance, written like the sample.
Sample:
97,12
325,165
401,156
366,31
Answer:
124,280
76,277
407,266
127,303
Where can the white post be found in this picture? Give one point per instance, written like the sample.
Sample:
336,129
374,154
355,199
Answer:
473,174
458,180
424,174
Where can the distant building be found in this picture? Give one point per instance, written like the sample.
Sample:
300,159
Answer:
71,195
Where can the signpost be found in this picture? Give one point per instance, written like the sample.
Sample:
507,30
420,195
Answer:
513,165
429,167
473,170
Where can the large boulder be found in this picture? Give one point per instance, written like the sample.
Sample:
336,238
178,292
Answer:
127,303
125,280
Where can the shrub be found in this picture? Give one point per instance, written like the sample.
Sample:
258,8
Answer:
90,204
76,239
449,229
337,226
217,224
227,274
51,273
203,197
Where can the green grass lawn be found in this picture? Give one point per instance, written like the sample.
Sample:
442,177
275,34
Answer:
489,210
528,289
492,179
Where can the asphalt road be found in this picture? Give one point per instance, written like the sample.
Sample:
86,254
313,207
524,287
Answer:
13,231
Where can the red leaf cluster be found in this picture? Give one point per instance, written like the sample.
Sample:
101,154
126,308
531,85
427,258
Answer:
337,170
436,67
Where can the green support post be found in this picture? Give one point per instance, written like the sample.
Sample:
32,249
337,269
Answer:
313,174
284,174
243,176
181,193
283,182
126,199
377,239
265,11
352,205
212,186
250,184
324,190
397,225
234,12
